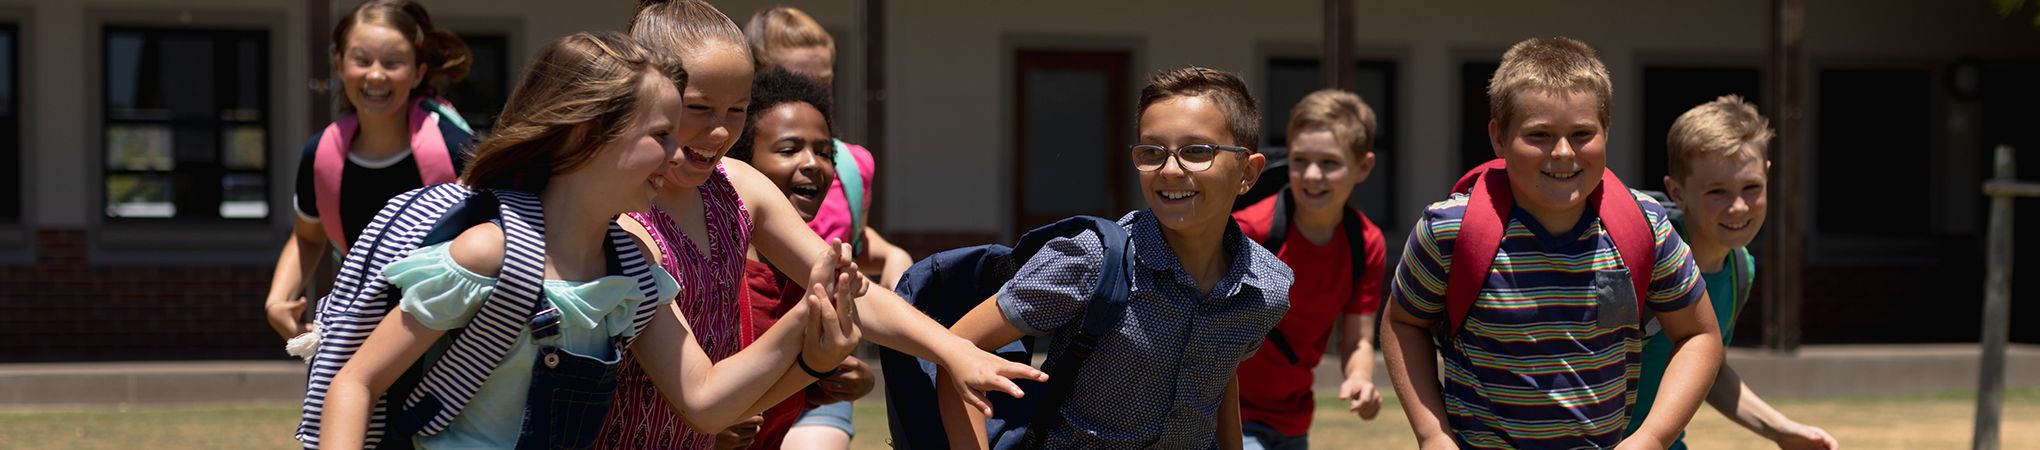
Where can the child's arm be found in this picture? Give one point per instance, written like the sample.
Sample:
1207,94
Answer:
390,350
1356,351
1413,368
889,260
1229,430
964,408
785,240
285,305
713,396
1696,356
1735,399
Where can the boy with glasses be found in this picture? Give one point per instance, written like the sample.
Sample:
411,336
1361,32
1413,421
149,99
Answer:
1203,295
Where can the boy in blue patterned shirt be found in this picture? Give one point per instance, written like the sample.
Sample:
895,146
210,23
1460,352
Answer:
1203,295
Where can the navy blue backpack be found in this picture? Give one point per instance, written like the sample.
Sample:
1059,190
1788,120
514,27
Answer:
947,285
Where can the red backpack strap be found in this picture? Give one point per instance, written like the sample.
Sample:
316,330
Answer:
428,146
1634,238
1480,236
329,161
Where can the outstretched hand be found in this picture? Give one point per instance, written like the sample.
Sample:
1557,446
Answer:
976,372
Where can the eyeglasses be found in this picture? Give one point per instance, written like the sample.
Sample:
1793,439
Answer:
1192,158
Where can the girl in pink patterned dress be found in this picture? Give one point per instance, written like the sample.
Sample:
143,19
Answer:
716,199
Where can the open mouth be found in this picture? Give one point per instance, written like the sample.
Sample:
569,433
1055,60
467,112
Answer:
1561,175
699,156
1739,227
1176,195
375,95
806,192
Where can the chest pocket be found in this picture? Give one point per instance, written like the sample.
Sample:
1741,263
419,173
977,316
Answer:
1615,299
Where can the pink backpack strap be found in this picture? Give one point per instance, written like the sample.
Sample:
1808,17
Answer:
428,146
328,162
1486,219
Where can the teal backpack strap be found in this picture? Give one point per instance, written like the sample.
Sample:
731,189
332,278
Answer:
1745,275
447,113
848,172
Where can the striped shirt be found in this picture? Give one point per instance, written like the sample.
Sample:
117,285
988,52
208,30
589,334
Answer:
639,417
1536,365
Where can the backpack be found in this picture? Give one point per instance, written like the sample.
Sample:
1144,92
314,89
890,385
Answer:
428,149
421,401
949,284
1487,217
1278,233
1744,276
848,173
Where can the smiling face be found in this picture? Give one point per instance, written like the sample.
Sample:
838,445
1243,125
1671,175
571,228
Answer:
1323,171
717,97
1187,201
1723,198
1556,151
637,160
792,148
378,70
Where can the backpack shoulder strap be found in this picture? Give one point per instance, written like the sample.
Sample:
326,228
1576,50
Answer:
1480,236
446,112
487,338
1278,222
1745,276
1635,238
428,145
1102,316
328,163
848,173
1356,242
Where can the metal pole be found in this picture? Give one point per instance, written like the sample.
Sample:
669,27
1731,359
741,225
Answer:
318,23
1997,308
871,26
1338,69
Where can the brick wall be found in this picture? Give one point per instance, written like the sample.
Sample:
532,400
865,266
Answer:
64,308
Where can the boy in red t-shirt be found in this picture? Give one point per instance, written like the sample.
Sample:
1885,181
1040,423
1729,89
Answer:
1338,273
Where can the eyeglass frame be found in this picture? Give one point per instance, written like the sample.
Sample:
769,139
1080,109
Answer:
1176,154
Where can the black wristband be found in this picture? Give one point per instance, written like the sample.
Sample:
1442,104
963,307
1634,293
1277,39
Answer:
801,359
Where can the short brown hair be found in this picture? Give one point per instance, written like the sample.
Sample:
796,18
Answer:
444,55
1555,65
781,28
580,94
1727,127
680,28
1343,113
1242,115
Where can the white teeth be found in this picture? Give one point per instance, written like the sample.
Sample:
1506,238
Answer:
704,154
658,183
1178,195
1745,224
1562,175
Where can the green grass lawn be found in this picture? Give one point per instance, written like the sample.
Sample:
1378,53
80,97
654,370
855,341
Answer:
1896,422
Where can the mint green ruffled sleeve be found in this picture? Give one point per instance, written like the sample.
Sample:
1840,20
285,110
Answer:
438,292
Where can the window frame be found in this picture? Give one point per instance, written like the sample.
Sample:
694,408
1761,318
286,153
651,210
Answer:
201,242
220,38
17,237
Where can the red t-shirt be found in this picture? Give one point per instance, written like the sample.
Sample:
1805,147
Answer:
768,295
1273,391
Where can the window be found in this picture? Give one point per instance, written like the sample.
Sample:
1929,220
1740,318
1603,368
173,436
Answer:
186,124
1669,91
1291,79
1873,129
481,95
1474,148
1071,127
10,125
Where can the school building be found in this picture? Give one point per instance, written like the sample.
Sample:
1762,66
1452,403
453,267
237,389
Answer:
149,146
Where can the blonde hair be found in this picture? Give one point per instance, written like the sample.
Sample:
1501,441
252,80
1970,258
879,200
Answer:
582,93
1343,113
1727,127
1547,65
781,28
681,28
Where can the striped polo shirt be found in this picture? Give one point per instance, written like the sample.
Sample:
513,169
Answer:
1535,364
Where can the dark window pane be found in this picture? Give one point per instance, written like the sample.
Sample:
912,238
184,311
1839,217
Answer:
1066,122
1474,147
481,95
1869,118
10,128
7,72
186,125
1669,91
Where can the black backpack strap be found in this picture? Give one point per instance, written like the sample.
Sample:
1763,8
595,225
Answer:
1356,243
1278,223
1102,317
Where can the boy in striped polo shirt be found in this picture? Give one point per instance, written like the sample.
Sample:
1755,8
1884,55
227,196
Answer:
1547,355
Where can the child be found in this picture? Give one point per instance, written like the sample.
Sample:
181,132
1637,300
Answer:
785,37
589,131
787,140
391,63
713,198
1539,351
1203,294
1718,177
1331,150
